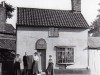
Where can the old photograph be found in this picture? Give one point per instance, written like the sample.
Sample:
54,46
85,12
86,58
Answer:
49,37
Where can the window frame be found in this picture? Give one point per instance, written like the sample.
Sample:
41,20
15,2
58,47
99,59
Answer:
65,47
52,32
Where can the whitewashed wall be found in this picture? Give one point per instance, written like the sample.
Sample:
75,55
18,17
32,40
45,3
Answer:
27,37
94,61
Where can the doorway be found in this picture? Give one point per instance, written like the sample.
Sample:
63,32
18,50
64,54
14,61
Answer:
42,60
41,46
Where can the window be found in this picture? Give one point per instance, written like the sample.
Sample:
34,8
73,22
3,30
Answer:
65,55
53,32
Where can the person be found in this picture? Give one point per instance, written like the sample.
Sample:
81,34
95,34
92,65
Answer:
35,64
25,64
49,70
17,61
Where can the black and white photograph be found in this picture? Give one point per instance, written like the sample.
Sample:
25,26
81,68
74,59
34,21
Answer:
49,37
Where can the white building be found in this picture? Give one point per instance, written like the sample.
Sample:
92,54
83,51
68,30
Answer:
63,34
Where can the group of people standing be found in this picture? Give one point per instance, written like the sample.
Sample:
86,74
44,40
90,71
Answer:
30,64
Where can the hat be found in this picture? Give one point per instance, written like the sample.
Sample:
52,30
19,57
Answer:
35,53
17,54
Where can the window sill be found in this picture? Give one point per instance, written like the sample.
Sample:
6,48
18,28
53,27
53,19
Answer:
65,63
53,36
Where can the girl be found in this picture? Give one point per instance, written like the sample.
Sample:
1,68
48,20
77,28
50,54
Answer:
17,61
49,70
35,64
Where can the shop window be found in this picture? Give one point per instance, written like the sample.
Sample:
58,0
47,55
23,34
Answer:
65,55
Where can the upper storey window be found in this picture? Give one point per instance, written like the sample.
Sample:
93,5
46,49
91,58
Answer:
53,32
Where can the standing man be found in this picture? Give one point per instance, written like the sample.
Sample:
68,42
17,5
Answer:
25,64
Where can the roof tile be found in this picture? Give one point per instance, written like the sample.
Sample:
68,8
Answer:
9,44
48,17
94,42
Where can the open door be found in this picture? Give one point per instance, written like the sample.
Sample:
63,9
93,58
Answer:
42,60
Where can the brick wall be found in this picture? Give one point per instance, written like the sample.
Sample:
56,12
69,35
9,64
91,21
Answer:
76,5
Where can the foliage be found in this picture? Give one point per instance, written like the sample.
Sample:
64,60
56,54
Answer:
7,55
9,10
95,27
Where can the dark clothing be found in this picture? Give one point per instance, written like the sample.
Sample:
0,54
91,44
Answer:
25,60
35,68
17,68
25,65
49,70
17,72
25,70
29,61
17,65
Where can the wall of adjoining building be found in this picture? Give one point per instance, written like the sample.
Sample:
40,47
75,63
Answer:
94,61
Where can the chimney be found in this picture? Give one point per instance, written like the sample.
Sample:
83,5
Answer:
76,5
2,17
3,3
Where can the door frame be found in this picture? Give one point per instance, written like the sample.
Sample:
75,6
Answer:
41,45
41,60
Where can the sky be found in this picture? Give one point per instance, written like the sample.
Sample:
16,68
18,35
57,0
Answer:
88,7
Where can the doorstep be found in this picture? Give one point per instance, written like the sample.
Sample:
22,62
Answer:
72,71
42,73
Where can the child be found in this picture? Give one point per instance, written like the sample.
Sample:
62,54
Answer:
49,70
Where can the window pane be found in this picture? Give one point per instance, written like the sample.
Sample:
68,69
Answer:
65,55
51,31
56,33
60,59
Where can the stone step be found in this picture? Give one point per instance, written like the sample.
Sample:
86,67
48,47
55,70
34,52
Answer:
42,73
72,74
71,71
66,74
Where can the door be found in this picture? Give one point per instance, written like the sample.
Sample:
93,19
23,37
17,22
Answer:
42,60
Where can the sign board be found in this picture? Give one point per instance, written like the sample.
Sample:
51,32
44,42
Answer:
41,44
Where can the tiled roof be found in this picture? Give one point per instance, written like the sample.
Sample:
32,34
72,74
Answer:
9,29
94,42
49,17
9,44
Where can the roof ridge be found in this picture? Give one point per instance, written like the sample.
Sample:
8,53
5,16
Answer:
45,9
